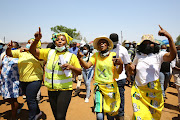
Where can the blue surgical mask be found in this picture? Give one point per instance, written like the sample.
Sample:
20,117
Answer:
85,51
13,48
28,46
127,45
163,50
60,49
1,46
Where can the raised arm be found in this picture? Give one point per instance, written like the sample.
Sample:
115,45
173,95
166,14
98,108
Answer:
172,54
33,50
86,65
8,50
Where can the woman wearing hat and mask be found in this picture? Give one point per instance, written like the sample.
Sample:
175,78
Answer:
58,75
30,76
147,98
107,98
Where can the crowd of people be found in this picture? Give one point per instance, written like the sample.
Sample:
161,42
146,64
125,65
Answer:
146,66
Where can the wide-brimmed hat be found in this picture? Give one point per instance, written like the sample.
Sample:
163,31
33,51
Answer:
1,42
95,42
127,42
149,37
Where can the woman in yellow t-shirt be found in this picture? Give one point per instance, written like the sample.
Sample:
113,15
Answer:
30,76
58,71
107,98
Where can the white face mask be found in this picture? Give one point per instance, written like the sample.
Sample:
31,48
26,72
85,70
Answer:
85,51
60,49
163,50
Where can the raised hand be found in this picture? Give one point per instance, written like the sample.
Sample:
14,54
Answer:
79,54
9,45
38,35
163,32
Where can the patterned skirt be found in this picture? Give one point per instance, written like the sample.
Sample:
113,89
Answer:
107,98
147,101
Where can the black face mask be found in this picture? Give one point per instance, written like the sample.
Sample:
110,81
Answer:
147,49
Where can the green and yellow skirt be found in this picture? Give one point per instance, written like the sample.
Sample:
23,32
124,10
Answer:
147,101
107,98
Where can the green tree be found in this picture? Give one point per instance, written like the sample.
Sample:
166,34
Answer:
71,32
178,40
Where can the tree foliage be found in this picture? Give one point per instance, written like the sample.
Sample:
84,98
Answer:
71,32
177,40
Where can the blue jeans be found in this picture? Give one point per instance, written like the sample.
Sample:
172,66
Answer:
167,80
31,89
164,79
87,76
121,84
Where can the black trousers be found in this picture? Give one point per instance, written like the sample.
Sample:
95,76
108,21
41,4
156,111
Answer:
59,101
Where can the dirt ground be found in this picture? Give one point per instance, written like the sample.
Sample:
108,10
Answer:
79,110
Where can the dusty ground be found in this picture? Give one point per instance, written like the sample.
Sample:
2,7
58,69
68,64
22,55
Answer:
79,110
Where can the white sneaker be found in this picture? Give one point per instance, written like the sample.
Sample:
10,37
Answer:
86,100
38,115
24,97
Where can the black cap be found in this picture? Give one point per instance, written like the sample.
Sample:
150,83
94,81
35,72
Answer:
114,37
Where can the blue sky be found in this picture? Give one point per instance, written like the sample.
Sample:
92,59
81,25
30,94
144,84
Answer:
20,19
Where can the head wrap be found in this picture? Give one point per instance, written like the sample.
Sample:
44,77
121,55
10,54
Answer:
55,35
39,43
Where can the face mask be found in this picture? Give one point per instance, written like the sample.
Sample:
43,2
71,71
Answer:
147,49
1,46
60,49
104,53
13,48
126,45
163,50
28,46
85,51
115,43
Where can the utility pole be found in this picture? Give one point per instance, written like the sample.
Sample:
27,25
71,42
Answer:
4,39
121,37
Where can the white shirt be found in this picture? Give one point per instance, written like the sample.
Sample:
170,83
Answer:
147,67
123,53
2,55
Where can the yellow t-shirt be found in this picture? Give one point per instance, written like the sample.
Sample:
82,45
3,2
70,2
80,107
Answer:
30,69
43,54
93,60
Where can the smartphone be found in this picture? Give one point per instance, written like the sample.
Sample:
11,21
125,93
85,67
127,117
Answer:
114,56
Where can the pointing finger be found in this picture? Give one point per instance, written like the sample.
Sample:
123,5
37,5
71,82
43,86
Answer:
39,30
160,27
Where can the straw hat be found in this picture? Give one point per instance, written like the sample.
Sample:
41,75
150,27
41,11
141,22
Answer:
95,43
149,37
1,42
